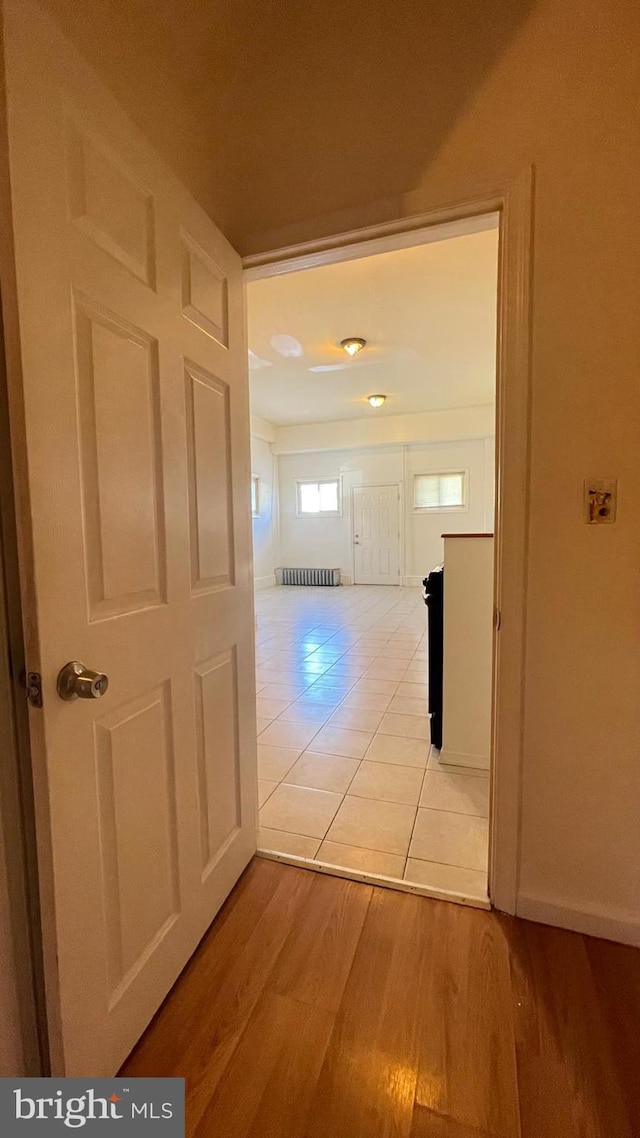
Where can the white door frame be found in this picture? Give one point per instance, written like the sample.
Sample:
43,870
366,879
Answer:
375,486
512,200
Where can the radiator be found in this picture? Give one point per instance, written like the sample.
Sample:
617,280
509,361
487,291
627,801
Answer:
308,576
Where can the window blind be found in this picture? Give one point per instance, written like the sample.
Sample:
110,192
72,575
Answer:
443,491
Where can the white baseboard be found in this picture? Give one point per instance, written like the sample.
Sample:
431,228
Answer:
411,582
264,582
460,759
617,925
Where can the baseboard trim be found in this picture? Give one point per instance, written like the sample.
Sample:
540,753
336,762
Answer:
264,582
460,759
411,582
618,926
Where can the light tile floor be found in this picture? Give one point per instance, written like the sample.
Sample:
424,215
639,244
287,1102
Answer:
347,775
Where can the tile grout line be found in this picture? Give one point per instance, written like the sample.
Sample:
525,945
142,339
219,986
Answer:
415,820
407,675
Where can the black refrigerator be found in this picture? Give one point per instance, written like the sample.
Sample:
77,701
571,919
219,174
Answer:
434,600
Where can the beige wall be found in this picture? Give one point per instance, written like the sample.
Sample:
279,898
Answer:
304,112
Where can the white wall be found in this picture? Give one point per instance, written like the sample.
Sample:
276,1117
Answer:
327,542
265,526
467,675
378,430
424,547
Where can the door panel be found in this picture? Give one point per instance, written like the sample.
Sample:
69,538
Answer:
137,812
136,548
218,757
107,203
376,524
120,448
210,479
204,291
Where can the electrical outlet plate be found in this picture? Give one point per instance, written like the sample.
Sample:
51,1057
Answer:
600,501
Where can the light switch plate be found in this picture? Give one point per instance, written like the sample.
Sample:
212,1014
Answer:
600,501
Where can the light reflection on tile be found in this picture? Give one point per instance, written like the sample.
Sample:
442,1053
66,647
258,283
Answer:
341,741
344,757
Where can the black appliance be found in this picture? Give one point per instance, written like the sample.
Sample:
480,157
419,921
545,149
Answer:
434,600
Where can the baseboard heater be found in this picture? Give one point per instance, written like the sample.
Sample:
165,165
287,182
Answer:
308,576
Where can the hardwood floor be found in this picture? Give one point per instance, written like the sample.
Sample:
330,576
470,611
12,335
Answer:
321,1008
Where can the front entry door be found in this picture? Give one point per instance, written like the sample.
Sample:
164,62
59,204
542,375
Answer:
376,535
133,468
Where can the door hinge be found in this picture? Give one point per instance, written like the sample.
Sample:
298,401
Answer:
34,689
497,619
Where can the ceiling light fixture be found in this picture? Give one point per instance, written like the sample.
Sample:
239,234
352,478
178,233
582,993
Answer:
353,344
376,400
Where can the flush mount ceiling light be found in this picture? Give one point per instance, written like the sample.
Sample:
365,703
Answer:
376,400
352,345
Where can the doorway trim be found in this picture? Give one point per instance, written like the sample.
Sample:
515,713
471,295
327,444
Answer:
512,201
352,528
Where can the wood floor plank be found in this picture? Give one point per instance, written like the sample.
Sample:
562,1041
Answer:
321,1008
567,1078
467,1063
286,1037
226,1008
616,973
367,1083
163,1045
318,955
269,1083
427,1124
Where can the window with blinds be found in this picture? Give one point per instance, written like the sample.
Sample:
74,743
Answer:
443,491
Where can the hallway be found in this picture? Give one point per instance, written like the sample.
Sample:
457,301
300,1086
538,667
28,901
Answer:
322,1008
347,774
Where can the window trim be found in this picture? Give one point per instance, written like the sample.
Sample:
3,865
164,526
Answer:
462,509
335,479
255,481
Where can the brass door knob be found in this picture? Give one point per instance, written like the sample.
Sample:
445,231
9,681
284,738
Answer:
77,682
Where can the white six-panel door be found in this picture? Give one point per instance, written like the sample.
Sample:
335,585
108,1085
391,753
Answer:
376,535
136,546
